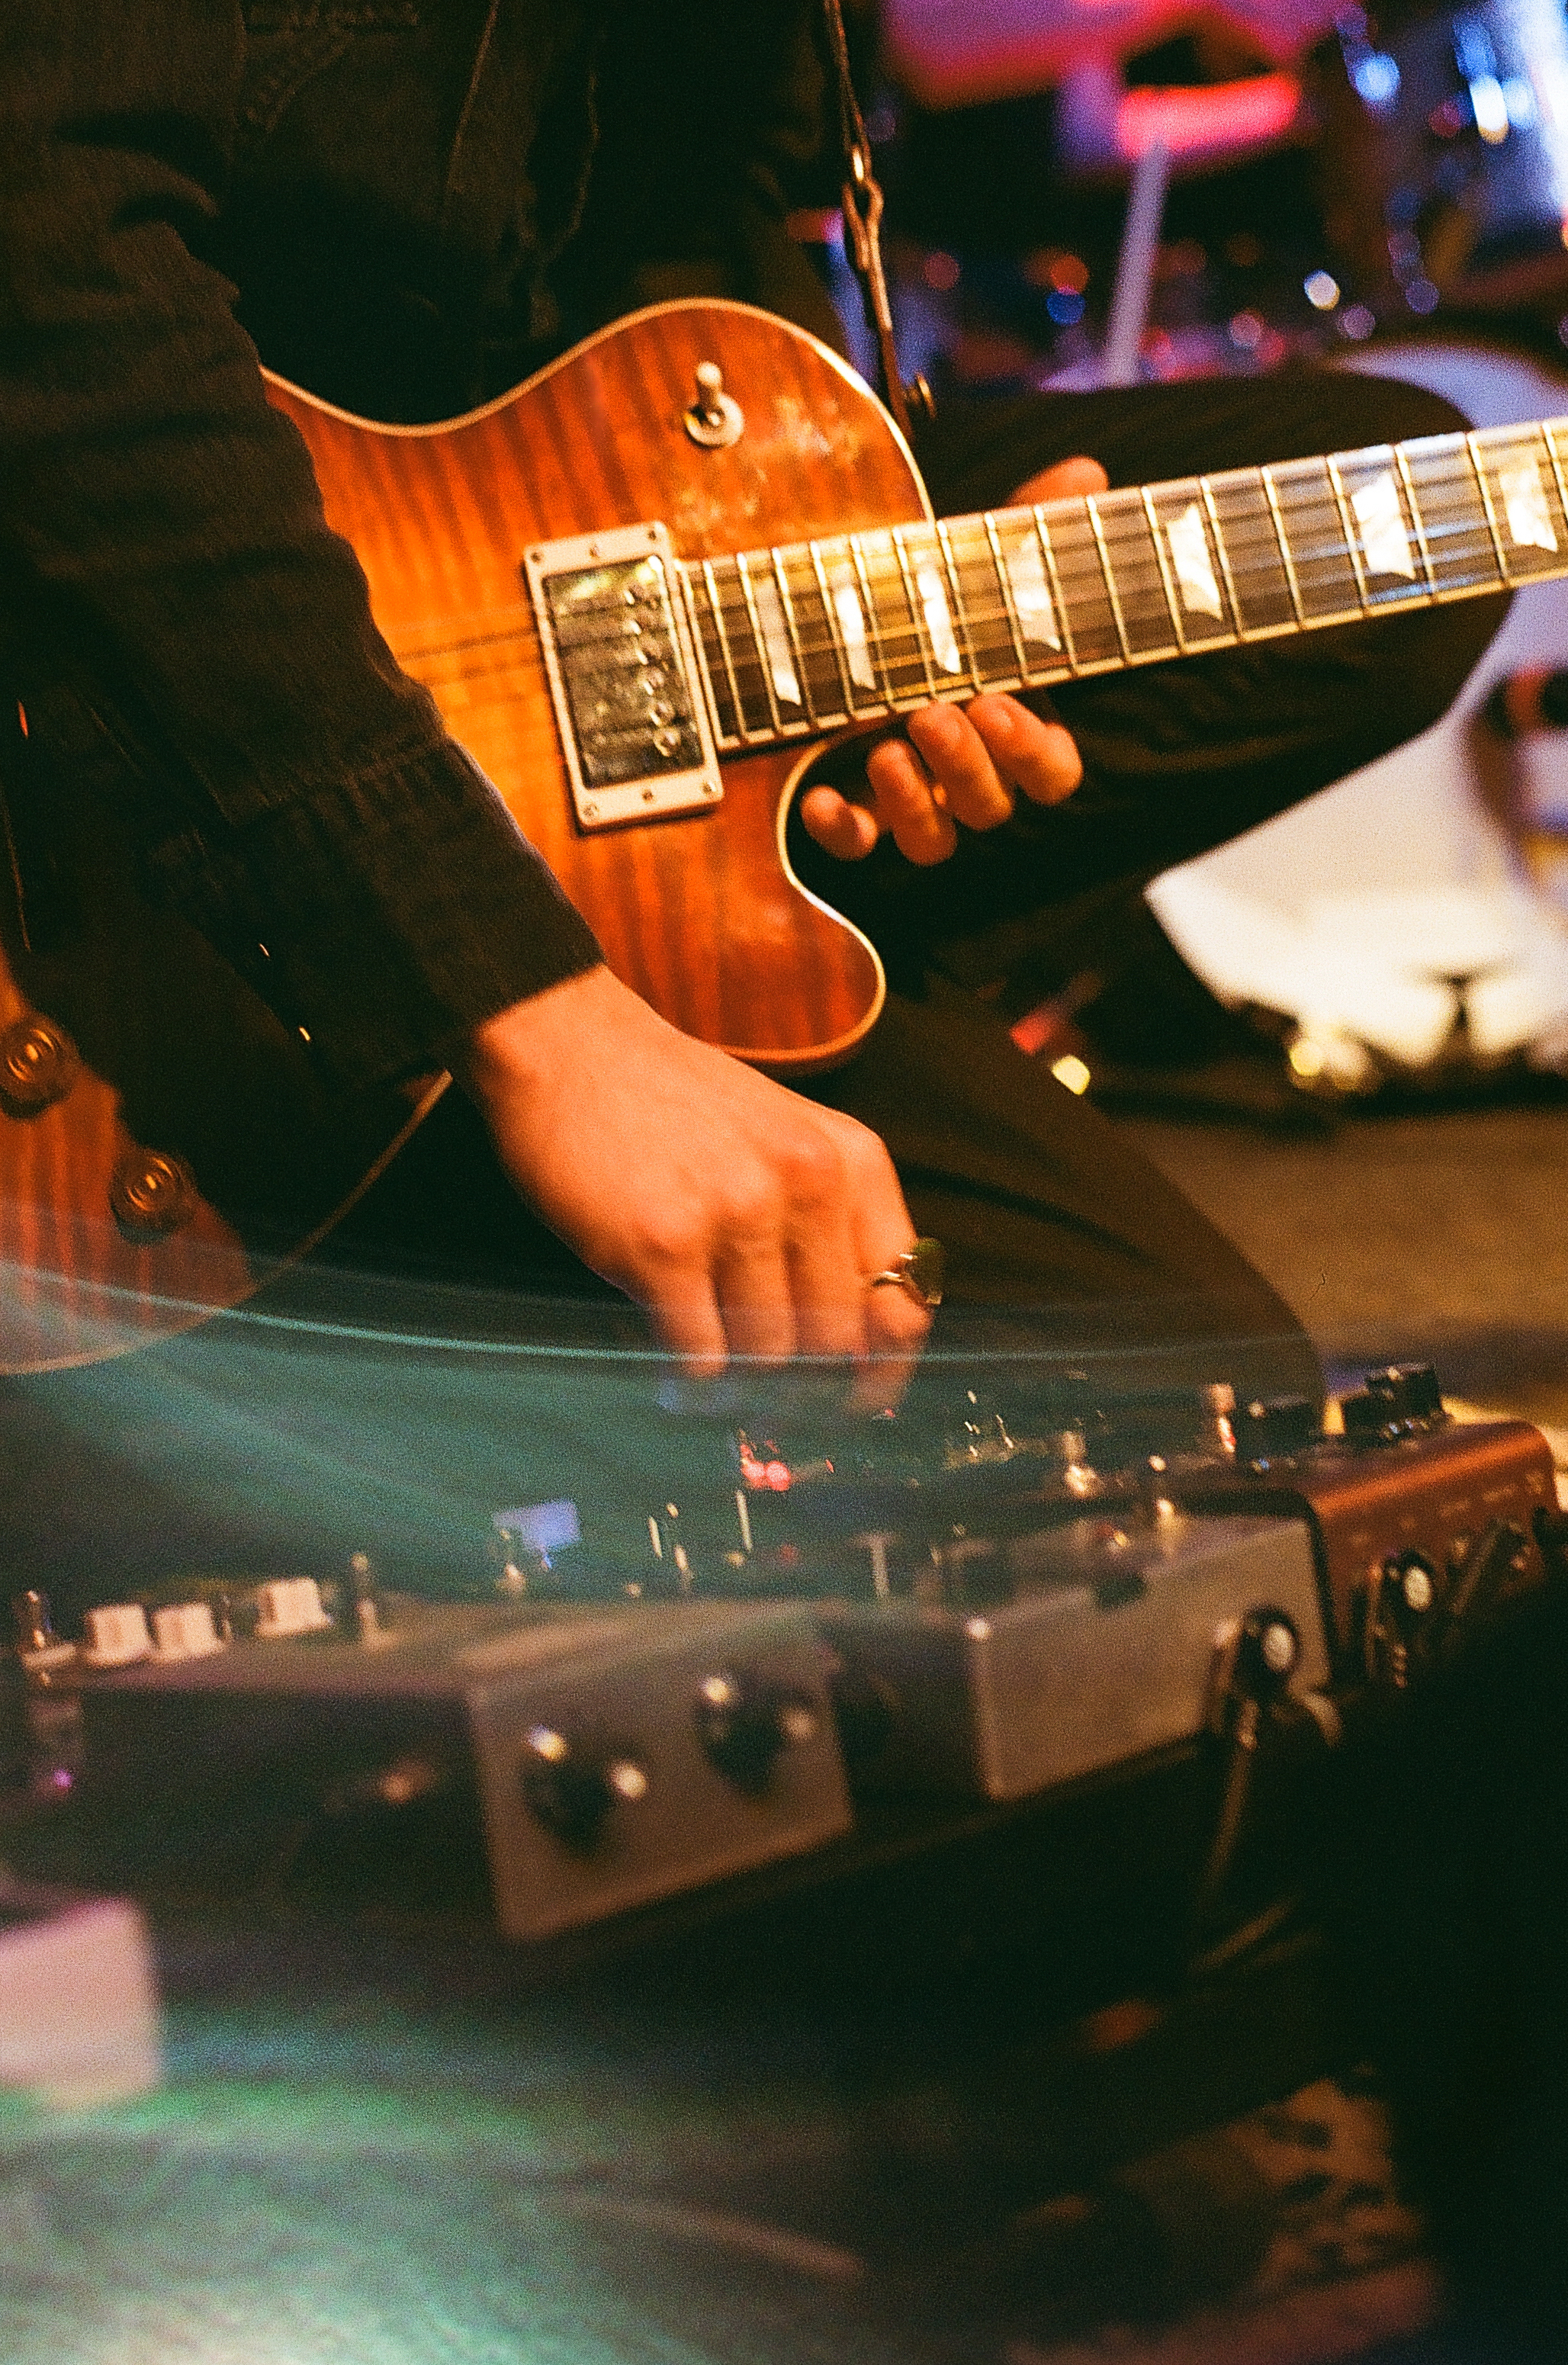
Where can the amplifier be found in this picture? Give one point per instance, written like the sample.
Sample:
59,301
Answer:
596,1759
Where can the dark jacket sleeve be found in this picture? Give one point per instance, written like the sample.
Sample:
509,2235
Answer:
163,548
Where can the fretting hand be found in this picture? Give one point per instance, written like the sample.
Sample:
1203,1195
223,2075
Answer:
960,763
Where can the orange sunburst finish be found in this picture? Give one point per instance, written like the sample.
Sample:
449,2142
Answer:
701,913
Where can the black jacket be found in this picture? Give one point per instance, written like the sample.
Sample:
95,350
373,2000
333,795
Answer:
406,205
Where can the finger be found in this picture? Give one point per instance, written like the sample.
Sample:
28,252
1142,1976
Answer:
829,1288
754,1298
1038,757
906,805
961,766
839,825
882,1229
1059,482
684,1311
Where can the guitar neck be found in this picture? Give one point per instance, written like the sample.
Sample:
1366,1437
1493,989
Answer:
818,635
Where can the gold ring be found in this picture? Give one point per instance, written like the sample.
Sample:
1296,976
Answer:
919,1272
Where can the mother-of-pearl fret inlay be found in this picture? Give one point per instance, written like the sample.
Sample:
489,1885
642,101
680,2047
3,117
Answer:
851,625
1525,506
938,618
776,640
1026,563
1190,558
1385,545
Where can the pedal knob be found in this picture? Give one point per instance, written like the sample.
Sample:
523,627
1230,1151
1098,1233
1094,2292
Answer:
287,1605
116,1636
570,1787
1399,1398
1272,1428
1268,1653
744,1725
152,1195
186,1630
39,1064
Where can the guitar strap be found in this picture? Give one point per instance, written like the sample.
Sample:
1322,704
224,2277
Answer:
863,220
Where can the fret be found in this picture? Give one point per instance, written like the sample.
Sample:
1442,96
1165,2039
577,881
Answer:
1094,519
959,605
1379,526
758,712
716,642
1428,576
1459,547
916,614
1187,538
1027,572
1211,512
877,647
1320,545
1053,574
811,633
1158,538
1010,606
784,688
836,629
850,601
759,640
705,687
1137,583
1349,531
1549,440
1082,600
1283,540
1480,476
798,671
1256,559
906,676
996,654
1522,497
924,554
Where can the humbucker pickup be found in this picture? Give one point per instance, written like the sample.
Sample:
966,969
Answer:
631,702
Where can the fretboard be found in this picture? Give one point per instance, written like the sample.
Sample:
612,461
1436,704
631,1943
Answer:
824,634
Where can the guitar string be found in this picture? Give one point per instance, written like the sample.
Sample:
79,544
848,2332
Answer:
1452,473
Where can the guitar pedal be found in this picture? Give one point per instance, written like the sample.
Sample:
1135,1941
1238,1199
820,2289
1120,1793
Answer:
1021,1664
1420,1525
586,1761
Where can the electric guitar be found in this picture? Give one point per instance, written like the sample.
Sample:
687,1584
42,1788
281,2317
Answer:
645,589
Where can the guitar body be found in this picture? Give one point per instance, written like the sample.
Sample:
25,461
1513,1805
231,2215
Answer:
700,913
165,1143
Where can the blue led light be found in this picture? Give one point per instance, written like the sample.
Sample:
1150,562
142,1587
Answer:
1376,78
